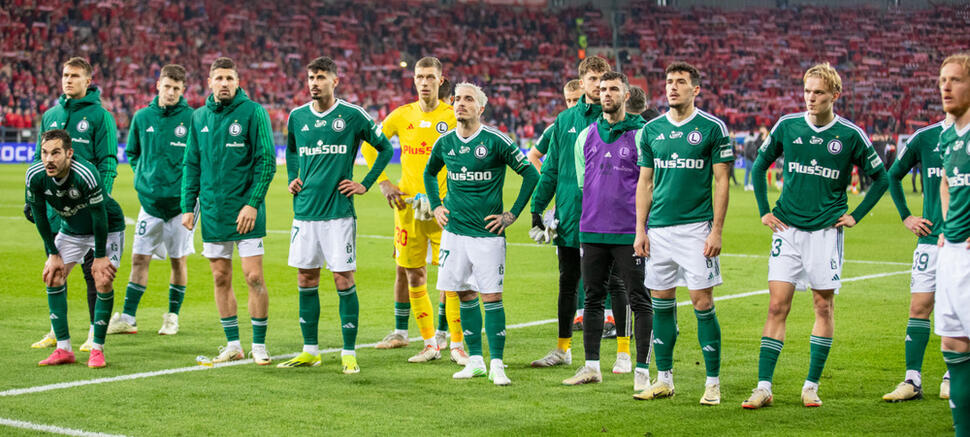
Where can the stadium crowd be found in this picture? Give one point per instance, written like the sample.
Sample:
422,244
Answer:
752,58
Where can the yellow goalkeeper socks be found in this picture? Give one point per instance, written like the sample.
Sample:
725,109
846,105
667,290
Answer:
623,345
423,313
453,310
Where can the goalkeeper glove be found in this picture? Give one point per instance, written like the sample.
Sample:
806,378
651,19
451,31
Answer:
422,207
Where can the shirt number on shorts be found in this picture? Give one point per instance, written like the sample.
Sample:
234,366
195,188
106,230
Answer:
442,256
296,230
921,261
142,227
776,247
402,237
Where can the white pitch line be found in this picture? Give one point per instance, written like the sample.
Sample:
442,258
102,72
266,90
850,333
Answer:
738,255
63,385
53,429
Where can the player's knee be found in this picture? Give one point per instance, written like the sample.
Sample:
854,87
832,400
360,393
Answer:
222,279
343,280
254,279
921,308
823,309
779,309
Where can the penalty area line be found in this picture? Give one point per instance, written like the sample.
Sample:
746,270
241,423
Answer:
53,429
133,376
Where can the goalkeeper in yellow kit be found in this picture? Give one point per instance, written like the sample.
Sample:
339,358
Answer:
417,126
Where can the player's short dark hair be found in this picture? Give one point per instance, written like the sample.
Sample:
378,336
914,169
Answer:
595,64
573,85
677,67
173,71
429,61
616,75
445,89
79,62
637,103
324,64
57,134
223,62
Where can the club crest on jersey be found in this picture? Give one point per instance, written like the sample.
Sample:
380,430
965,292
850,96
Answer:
481,151
624,152
320,123
834,146
338,125
180,131
82,125
695,137
73,193
441,127
235,129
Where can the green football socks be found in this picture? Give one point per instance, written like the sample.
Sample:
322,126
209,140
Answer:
664,332
57,302
349,314
309,314
471,323
495,328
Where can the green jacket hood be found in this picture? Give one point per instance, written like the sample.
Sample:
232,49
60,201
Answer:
93,97
181,105
610,132
217,106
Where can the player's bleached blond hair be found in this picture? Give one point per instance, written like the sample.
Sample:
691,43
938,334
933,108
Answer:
827,73
476,91
573,85
962,59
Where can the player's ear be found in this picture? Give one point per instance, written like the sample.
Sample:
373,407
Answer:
336,80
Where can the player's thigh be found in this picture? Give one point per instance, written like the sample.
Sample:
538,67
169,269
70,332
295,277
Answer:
823,263
661,270
72,248
700,272
433,233
149,235
785,258
410,242
952,308
923,277
214,250
306,247
114,247
454,264
487,255
178,241
338,239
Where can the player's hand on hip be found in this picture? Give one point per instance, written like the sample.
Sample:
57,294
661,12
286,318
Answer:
246,219
641,245
54,271
348,188
441,215
918,225
296,186
497,223
772,222
188,220
712,245
846,220
103,270
393,194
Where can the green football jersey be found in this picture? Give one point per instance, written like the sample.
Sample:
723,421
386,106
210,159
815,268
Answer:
956,163
542,144
156,147
476,177
79,200
320,150
923,147
682,156
818,168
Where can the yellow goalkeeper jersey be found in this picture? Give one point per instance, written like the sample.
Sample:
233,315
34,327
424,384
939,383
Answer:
417,132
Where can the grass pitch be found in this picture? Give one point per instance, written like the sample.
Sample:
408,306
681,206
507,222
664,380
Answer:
153,387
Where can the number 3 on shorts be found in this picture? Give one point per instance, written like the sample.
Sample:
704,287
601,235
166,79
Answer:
442,256
776,247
